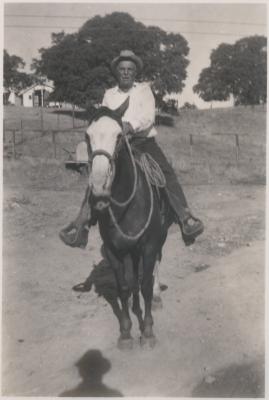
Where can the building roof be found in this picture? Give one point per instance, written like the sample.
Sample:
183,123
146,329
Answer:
44,85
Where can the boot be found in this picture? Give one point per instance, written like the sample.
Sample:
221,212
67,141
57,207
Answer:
191,227
76,233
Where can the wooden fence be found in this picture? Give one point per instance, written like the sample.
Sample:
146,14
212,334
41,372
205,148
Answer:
236,143
14,138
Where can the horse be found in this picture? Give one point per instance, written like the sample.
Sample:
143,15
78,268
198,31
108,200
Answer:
133,220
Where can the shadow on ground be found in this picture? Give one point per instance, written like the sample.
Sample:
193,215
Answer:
245,380
92,366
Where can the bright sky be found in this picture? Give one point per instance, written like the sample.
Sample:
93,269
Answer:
204,26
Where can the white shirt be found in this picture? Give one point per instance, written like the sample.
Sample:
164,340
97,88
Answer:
141,111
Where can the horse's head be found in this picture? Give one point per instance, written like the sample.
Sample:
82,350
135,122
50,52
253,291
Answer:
104,138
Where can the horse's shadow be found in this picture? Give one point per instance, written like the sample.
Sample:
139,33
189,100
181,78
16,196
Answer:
92,366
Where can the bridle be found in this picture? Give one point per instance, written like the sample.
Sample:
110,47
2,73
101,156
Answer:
112,160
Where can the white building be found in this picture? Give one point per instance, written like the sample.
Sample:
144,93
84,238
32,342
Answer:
35,96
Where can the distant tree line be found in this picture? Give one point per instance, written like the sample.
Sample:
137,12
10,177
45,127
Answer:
238,70
78,64
14,78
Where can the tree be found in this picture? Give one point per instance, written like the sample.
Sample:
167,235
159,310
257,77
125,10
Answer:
13,78
238,70
188,106
79,63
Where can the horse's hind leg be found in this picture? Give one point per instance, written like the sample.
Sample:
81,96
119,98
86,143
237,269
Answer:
113,301
136,308
156,300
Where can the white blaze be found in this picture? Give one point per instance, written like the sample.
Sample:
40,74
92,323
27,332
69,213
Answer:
103,136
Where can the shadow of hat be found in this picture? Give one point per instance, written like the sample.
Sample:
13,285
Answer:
92,362
127,55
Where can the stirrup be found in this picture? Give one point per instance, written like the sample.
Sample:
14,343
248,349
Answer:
77,239
189,237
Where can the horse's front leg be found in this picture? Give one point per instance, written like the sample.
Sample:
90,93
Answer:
124,292
149,260
125,340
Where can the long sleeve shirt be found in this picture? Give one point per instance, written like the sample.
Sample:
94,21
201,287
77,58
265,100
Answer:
141,111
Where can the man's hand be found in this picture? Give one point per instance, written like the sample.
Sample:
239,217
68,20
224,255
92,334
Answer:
127,128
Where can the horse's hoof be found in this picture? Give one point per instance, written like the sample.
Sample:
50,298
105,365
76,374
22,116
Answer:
148,342
156,303
125,344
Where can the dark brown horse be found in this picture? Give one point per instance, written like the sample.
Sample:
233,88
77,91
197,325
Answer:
133,221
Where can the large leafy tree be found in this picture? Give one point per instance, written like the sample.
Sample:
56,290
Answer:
237,70
79,63
14,78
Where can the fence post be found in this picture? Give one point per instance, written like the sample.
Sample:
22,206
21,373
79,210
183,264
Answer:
4,130
21,130
54,143
73,116
237,147
14,143
41,119
58,120
191,144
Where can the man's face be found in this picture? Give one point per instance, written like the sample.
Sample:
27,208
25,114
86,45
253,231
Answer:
126,73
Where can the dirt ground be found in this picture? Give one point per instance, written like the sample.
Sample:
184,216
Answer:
210,331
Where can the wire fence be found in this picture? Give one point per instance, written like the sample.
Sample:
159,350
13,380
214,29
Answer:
61,143
40,133
197,158
55,134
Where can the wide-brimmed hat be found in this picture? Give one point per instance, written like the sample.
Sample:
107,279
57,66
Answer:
93,361
127,55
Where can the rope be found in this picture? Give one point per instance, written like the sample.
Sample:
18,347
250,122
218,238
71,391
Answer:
142,231
152,169
154,176
152,173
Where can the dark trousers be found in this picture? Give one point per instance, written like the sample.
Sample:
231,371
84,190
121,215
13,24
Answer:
174,191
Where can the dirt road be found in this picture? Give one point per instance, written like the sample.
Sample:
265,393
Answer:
210,330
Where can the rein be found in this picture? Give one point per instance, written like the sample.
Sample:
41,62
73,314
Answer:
126,202
142,230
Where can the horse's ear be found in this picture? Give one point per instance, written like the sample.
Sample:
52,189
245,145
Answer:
122,108
91,112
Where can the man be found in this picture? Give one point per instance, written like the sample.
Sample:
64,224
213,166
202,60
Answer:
138,122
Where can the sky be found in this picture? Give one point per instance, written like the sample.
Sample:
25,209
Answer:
28,27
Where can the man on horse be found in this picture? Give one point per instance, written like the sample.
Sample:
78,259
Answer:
138,124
